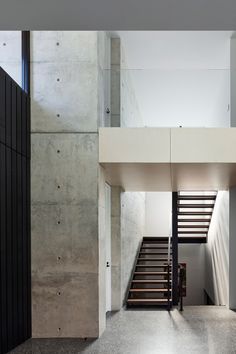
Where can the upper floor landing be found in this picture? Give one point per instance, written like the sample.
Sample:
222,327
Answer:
169,159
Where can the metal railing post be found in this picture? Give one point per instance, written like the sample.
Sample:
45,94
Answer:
174,249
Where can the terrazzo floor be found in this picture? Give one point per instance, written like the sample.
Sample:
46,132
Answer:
199,329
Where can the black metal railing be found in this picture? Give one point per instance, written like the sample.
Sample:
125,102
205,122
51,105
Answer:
168,275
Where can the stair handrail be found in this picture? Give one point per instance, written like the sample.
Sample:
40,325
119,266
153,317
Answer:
181,283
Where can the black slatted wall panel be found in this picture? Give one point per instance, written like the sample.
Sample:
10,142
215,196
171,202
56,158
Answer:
15,273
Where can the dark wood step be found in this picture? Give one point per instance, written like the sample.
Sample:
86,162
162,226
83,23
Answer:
150,281
154,248
194,213
193,226
152,290
153,259
154,253
194,220
192,232
197,197
148,301
192,239
195,206
151,266
150,273
155,238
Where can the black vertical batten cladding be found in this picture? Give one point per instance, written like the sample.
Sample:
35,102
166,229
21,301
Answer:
15,264
175,248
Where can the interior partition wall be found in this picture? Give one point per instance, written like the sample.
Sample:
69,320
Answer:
15,248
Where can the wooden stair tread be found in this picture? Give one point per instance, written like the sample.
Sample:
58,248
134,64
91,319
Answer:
194,213
196,197
150,281
148,300
154,248
150,266
157,253
194,220
153,259
151,273
155,238
149,290
193,226
201,206
151,262
192,232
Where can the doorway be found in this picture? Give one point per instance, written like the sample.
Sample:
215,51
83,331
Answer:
108,245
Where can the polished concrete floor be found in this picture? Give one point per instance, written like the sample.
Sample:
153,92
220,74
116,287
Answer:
199,329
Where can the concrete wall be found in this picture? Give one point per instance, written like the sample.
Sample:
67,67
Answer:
158,214
10,53
116,297
130,113
127,229
68,98
132,231
115,82
217,252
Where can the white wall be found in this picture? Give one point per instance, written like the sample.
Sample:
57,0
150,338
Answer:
194,257
158,213
10,54
179,77
130,113
217,252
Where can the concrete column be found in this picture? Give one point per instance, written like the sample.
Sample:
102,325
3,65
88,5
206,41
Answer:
68,261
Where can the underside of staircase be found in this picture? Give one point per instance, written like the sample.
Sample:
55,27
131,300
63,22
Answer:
151,283
194,213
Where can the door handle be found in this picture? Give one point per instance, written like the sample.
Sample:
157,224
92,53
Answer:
108,264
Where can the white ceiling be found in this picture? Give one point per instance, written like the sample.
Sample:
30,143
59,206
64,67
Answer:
179,77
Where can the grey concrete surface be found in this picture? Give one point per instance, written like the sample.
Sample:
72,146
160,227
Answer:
132,231
69,95
115,82
116,301
200,330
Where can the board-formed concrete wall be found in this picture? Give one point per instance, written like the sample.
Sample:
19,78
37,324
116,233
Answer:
130,114
69,97
132,231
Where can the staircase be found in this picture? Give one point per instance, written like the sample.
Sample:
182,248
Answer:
194,213
151,278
